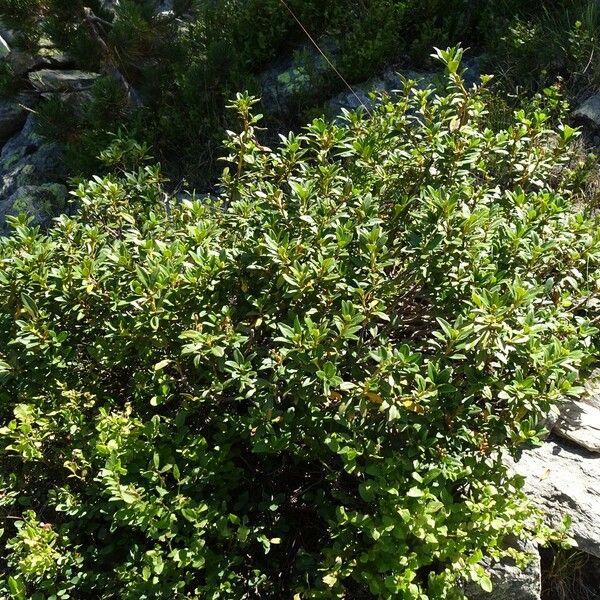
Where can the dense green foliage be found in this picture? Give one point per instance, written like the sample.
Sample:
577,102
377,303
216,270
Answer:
184,66
542,42
303,387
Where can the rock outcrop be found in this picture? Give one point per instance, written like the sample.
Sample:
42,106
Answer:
31,172
509,581
589,112
12,118
294,79
4,47
28,159
40,202
57,80
389,82
32,169
564,479
579,423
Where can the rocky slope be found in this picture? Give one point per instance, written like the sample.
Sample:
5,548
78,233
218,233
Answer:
562,477
32,169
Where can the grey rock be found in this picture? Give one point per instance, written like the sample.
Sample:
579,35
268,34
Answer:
161,7
27,164
296,78
56,80
589,112
352,100
27,159
293,78
7,34
390,82
109,5
45,164
592,389
473,69
563,479
547,425
22,62
26,136
41,202
394,79
4,47
579,422
75,102
51,57
509,581
12,117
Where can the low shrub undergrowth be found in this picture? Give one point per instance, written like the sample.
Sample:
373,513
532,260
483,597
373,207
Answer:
179,67
537,44
304,387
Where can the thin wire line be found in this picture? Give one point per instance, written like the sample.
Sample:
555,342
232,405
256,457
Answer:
310,37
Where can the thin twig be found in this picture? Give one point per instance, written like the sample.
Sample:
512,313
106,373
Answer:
589,62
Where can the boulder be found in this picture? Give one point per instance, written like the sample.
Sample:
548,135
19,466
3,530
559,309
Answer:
579,422
30,171
392,80
56,80
563,479
109,6
473,69
589,112
21,62
4,47
295,78
51,57
42,165
41,202
389,82
509,581
12,117
7,34
27,159
592,389
26,136
352,100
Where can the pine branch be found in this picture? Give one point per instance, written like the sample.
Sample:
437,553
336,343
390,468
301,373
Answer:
94,25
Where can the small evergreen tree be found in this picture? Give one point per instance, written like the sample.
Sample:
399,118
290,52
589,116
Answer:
119,39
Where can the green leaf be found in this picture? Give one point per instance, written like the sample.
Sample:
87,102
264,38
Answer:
162,364
128,497
29,304
486,583
17,587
